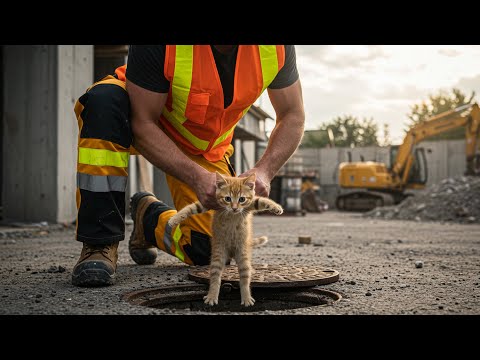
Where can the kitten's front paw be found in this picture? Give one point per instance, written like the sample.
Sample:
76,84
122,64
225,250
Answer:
248,302
173,222
277,210
210,300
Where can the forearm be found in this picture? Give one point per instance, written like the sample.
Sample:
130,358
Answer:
284,140
163,153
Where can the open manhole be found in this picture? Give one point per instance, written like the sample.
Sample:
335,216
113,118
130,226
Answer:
274,287
190,297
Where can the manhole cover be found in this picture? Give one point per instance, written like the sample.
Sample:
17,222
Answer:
271,275
190,298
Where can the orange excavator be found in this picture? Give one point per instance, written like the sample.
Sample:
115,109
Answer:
366,185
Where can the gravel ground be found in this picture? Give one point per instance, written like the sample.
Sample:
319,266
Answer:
386,267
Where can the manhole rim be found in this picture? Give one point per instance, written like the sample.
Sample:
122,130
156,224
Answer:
196,292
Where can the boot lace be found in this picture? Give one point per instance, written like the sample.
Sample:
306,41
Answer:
102,249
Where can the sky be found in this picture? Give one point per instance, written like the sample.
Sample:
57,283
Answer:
379,81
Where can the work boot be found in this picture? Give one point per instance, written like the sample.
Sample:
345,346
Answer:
140,250
96,266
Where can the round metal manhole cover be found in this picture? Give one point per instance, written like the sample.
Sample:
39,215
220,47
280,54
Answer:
271,275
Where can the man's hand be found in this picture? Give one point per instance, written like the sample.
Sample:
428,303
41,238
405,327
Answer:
262,182
205,188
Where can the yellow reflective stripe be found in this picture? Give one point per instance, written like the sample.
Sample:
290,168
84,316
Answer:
103,157
269,61
176,238
181,83
245,111
224,136
182,78
198,143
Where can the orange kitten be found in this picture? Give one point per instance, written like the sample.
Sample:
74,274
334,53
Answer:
232,231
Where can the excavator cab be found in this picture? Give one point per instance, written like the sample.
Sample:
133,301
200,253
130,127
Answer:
418,172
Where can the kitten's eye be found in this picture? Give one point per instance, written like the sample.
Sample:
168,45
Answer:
241,199
228,198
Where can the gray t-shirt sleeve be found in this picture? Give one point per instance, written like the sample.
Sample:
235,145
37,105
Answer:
288,74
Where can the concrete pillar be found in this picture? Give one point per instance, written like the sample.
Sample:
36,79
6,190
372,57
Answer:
237,156
75,75
160,187
41,84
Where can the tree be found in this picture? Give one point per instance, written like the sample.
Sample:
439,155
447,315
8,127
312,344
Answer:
386,135
315,139
436,104
347,131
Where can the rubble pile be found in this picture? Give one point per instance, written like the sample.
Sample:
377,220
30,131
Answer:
455,199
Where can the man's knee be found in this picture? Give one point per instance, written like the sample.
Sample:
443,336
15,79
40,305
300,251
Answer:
199,250
105,114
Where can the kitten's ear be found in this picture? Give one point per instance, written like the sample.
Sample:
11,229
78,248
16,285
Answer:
250,181
221,182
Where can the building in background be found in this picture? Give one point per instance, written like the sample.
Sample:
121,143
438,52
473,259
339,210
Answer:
39,85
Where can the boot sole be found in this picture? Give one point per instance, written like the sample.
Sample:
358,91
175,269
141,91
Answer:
93,277
140,256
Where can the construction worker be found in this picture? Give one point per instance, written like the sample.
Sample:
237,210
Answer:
182,106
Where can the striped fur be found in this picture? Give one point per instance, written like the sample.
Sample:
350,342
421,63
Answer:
192,209
232,231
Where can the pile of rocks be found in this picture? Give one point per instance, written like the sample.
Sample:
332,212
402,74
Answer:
455,199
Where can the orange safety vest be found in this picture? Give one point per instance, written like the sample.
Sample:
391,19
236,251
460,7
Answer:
194,115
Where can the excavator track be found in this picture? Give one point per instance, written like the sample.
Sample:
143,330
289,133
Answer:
363,200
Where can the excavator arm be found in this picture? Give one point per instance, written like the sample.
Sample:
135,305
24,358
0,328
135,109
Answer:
466,115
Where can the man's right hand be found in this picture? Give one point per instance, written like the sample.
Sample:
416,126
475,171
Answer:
205,188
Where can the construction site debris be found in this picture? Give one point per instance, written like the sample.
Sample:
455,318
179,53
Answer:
455,199
419,264
304,239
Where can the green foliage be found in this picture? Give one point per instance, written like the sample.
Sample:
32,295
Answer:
315,139
436,104
386,135
347,131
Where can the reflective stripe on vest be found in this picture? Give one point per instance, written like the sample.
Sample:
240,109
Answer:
182,81
269,61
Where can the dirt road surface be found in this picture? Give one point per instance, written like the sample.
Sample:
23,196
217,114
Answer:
376,260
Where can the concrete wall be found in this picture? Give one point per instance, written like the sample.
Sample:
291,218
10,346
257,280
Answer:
444,159
40,86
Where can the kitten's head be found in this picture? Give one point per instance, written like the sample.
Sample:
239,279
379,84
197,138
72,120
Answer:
235,194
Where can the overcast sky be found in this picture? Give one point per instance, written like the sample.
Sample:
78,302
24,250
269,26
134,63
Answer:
380,81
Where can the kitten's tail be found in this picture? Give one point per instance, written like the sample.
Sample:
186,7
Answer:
262,240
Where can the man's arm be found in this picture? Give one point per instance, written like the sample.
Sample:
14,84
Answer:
285,137
160,150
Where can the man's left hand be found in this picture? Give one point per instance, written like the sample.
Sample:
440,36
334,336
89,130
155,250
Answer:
262,182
